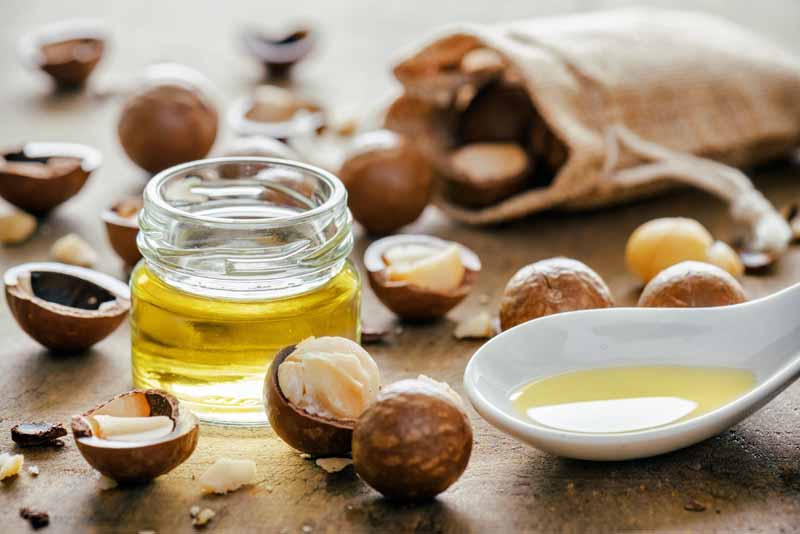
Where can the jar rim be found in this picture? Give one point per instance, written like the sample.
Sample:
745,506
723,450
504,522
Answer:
337,197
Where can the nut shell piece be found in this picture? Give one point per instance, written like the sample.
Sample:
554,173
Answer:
166,124
137,462
389,181
485,173
64,307
309,433
412,443
122,227
68,51
408,301
692,284
551,286
37,177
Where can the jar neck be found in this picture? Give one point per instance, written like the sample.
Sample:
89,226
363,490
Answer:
260,235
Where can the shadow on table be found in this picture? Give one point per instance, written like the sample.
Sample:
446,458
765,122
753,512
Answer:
375,512
724,475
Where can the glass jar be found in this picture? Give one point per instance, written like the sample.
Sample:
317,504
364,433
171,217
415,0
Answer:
242,257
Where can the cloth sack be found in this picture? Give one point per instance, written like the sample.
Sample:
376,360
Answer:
639,100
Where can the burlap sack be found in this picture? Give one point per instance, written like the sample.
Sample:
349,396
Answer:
641,99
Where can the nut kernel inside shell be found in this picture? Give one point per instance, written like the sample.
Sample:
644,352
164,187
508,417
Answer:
436,270
330,377
551,286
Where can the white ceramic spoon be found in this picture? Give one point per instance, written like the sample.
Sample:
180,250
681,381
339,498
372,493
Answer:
762,336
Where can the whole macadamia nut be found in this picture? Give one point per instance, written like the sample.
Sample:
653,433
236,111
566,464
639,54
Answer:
166,124
414,442
388,181
692,284
551,286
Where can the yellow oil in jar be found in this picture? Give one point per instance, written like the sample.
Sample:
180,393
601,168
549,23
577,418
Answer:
628,399
213,354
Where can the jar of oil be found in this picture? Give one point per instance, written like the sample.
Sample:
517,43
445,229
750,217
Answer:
242,257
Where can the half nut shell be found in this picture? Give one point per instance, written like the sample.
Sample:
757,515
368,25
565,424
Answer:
67,51
277,113
64,307
130,462
278,52
306,432
37,177
122,227
409,301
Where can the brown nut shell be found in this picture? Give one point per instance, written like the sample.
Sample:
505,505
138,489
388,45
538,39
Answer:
309,433
122,228
411,302
137,462
64,307
692,284
500,112
166,124
389,181
413,442
68,51
551,286
481,174
278,52
37,177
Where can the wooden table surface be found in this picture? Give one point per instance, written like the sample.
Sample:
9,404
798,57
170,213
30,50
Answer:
748,478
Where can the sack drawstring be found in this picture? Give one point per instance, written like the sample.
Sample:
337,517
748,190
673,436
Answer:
769,231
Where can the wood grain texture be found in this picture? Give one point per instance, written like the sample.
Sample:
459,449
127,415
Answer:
747,479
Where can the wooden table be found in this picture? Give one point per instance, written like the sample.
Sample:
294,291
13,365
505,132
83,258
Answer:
747,479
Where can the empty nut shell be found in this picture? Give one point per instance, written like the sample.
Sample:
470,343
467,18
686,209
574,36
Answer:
37,177
64,307
551,286
279,52
692,284
67,51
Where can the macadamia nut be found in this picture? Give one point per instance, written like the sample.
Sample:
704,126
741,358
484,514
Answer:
427,268
660,243
74,250
228,475
551,286
16,226
723,256
330,377
692,284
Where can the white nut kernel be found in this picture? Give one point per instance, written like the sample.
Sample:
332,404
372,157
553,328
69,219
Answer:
16,227
10,464
439,270
228,475
33,470
482,61
137,429
203,517
330,377
73,250
476,327
723,256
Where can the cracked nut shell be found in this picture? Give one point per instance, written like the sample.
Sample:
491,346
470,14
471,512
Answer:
64,307
407,300
481,174
166,124
389,182
36,434
306,432
413,442
551,286
137,462
37,177
692,284
68,51
122,227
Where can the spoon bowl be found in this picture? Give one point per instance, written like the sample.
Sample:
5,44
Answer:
761,336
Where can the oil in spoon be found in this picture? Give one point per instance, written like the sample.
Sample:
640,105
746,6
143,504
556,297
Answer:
627,399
